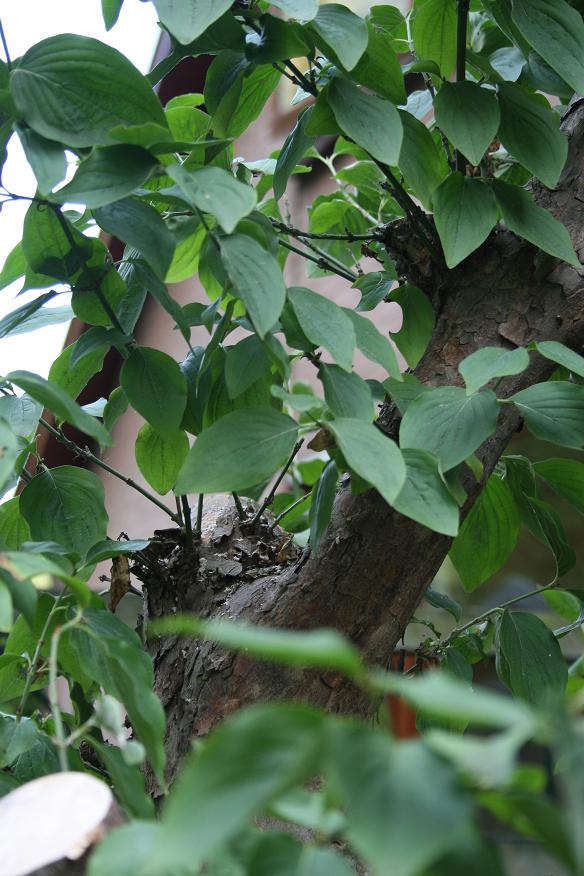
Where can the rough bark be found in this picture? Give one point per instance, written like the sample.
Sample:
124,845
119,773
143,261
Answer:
373,565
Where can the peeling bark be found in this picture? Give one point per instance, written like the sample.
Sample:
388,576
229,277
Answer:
373,565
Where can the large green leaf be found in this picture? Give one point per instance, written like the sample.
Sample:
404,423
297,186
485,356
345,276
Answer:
46,158
245,363
72,378
108,174
371,121
160,457
323,497
256,278
21,413
346,394
66,505
553,411
47,245
325,324
379,67
238,451
538,226
243,102
380,784
489,362
469,116
187,21
417,323
565,477
214,190
556,32
281,853
60,402
10,450
465,211
563,355
425,497
372,455
546,525
449,423
420,159
110,10
434,34
375,346
75,89
342,32
302,9
529,659
487,536
140,226
14,530
530,132
156,388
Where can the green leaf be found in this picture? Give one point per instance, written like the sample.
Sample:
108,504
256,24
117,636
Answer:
425,497
489,362
325,324
469,116
110,10
128,781
443,601
295,146
16,737
323,497
545,525
372,455
140,226
530,132
188,21
75,89
562,355
112,655
155,387
108,548
465,212
117,404
213,190
533,665
14,266
325,649
240,450
374,288
449,423
46,158
58,401
420,159
160,458
346,394
6,609
565,477
34,315
245,363
374,123
341,32
487,535
379,67
380,785
244,102
556,32
66,504
281,853
538,226
72,378
418,322
21,413
256,278
553,411
160,292
108,174
374,346
434,34
47,246
304,10
14,530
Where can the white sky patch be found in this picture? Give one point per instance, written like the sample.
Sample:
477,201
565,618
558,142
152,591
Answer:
26,22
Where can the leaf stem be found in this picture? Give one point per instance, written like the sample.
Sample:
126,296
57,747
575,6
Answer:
88,456
53,692
270,497
187,520
199,524
287,510
239,506
36,657
296,232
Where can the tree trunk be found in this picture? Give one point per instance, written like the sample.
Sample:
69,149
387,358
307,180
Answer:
373,565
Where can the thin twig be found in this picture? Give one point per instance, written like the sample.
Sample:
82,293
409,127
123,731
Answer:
5,45
321,262
296,232
88,456
31,672
199,525
288,509
187,520
462,19
239,506
270,497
